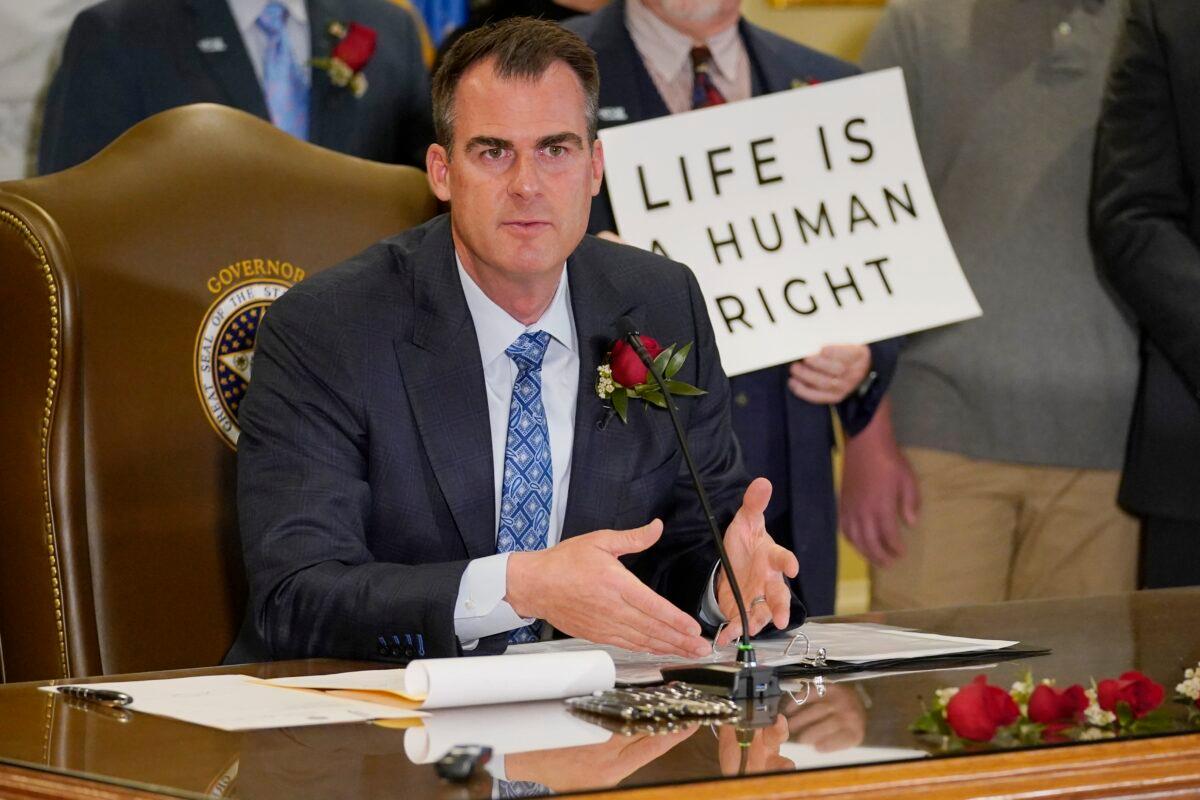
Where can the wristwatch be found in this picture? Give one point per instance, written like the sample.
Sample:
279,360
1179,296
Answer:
866,384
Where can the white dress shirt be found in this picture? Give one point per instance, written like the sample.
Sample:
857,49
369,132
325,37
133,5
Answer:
246,14
481,609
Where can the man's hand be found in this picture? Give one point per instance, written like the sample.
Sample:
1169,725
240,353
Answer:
580,588
760,566
593,766
760,753
831,375
878,488
835,721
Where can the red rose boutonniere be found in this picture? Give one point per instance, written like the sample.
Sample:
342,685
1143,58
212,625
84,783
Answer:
352,53
623,375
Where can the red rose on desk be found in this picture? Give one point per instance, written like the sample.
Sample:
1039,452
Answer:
627,369
1049,706
1141,694
356,47
977,710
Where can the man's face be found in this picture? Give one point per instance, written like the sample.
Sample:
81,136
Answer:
521,174
697,18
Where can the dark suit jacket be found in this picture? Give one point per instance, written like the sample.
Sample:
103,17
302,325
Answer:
365,478
803,512
126,60
1146,226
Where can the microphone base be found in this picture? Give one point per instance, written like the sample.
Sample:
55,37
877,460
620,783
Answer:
734,681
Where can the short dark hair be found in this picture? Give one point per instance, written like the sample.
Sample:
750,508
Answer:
520,47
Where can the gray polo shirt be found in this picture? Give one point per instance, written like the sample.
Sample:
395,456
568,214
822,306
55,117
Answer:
1005,97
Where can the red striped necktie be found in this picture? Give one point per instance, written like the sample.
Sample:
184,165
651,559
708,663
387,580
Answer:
704,92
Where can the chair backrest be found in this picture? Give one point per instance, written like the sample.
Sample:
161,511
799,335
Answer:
132,287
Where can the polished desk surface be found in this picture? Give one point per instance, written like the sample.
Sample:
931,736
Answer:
47,741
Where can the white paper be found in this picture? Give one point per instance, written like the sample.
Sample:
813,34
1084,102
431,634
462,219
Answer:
240,703
481,680
805,756
762,171
851,642
513,728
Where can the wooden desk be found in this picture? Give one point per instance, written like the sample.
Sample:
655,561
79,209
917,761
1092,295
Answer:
51,749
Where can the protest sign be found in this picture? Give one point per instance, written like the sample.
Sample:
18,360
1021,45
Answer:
806,216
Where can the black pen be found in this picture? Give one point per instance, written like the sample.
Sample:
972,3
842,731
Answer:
105,697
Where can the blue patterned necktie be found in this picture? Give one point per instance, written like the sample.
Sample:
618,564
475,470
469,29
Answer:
528,486
284,86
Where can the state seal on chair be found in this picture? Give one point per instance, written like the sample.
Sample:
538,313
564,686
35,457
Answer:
224,354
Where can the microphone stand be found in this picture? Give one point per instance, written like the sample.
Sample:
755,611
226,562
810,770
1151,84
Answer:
744,679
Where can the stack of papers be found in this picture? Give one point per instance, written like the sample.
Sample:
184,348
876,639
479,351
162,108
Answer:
852,643
242,703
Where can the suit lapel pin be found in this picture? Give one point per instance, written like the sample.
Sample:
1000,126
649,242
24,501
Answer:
212,44
613,114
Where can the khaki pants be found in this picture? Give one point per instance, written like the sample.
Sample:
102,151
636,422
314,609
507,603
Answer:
991,531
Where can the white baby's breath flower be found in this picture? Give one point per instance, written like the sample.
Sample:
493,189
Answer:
1021,688
944,696
1093,734
1191,687
1095,715
604,382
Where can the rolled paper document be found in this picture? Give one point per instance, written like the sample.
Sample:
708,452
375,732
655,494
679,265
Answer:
448,682
482,680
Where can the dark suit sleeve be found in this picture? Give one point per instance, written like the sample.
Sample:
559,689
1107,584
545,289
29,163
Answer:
1141,197
93,98
856,411
304,501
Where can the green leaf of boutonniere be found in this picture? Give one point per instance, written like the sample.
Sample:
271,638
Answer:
684,389
620,403
676,361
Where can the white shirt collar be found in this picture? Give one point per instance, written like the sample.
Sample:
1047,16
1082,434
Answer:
669,52
497,329
246,12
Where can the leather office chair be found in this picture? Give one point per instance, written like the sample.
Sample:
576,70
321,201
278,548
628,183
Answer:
132,285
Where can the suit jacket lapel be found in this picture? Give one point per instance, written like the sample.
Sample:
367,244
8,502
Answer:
230,68
326,101
601,460
443,377
773,70
627,84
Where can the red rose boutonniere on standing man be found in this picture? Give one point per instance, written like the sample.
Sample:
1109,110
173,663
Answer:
352,53
624,376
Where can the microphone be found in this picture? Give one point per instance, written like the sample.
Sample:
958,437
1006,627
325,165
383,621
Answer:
745,679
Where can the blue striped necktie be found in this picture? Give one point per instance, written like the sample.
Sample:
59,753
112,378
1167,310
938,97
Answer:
284,86
528,486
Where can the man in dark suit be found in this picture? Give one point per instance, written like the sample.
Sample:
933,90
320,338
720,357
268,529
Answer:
1146,227
425,467
647,51
126,60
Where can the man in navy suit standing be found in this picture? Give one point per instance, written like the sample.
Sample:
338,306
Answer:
660,57
126,60
425,467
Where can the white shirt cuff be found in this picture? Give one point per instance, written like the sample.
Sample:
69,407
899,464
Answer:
710,612
481,609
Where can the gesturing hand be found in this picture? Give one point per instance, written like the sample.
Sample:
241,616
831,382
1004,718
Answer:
760,566
580,588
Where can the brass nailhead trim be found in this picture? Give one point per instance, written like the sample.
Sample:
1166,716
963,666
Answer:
47,417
